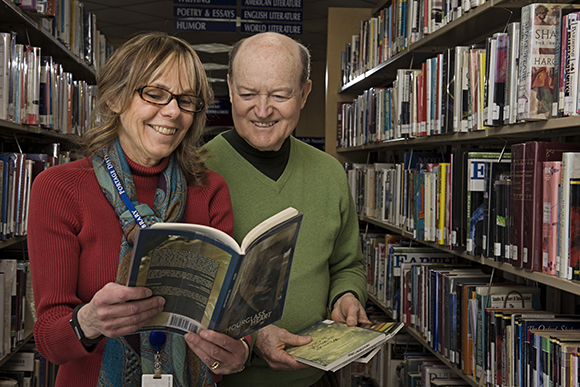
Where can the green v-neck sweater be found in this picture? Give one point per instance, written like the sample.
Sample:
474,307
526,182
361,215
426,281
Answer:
328,259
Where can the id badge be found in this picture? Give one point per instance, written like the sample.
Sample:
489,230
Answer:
157,380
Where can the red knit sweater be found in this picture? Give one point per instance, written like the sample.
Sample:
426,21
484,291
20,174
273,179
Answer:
74,239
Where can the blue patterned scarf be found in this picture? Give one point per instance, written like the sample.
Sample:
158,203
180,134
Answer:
126,358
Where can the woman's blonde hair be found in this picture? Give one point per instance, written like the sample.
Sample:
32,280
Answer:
137,63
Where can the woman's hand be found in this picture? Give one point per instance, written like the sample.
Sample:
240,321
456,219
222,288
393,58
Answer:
221,353
118,310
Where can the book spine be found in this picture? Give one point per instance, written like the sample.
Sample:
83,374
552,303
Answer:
551,182
574,228
474,89
498,98
512,73
516,203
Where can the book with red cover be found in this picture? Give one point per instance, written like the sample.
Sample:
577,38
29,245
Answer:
536,152
551,182
516,203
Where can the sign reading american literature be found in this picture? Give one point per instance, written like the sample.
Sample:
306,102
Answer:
205,13
206,2
296,4
202,25
286,29
271,15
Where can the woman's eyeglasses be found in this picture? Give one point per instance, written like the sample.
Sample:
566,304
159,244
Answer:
161,97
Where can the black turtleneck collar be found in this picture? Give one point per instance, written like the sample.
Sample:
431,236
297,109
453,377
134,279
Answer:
270,163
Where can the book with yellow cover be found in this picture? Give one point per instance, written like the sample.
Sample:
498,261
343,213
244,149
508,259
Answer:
334,344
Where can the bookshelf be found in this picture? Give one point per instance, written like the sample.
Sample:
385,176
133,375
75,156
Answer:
472,27
31,29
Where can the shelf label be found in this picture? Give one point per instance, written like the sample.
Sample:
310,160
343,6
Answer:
202,25
205,13
286,29
206,2
296,4
271,15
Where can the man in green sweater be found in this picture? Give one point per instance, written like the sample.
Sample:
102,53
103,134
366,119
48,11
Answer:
268,170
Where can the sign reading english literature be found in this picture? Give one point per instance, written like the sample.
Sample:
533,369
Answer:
295,4
204,13
203,25
286,29
206,2
272,15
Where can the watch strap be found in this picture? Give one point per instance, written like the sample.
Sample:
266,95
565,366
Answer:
74,323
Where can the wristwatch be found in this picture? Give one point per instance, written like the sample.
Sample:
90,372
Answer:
74,323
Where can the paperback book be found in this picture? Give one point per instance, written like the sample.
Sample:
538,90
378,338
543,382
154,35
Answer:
334,344
209,281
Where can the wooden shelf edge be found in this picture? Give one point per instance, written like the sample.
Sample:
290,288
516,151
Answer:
11,241
556,126
413,332
27,337
545,279
468,378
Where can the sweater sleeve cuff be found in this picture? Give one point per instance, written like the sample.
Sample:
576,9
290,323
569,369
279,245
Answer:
340,295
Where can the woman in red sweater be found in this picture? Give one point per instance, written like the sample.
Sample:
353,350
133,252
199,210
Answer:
141,167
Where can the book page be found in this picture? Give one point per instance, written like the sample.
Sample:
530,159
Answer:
188,270
266,225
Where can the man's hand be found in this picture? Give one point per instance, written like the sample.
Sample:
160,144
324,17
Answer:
270,343
227,355
348,309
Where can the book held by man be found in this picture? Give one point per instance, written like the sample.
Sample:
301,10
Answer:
209,281
335,345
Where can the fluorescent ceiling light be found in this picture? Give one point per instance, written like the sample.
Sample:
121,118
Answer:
215,80
212,48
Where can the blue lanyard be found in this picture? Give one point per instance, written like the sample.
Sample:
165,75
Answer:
117,183
156,338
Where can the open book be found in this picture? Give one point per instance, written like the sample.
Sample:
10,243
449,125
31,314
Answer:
209,281
335,345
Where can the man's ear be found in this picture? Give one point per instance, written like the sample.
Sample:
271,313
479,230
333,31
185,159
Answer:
230,91
305,92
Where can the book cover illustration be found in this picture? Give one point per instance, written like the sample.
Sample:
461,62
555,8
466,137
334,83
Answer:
335,344
208,281
539,25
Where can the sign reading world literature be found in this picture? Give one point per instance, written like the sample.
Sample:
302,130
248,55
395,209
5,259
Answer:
204,25
286,29
206,2
205,13
295,4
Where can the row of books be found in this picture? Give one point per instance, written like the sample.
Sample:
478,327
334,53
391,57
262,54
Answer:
35,90
518,207
484,327
28,368
446,304
527,73
395,28
76,28
15,289
17,171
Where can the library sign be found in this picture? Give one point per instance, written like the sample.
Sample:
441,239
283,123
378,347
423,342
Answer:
251,18
270,16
